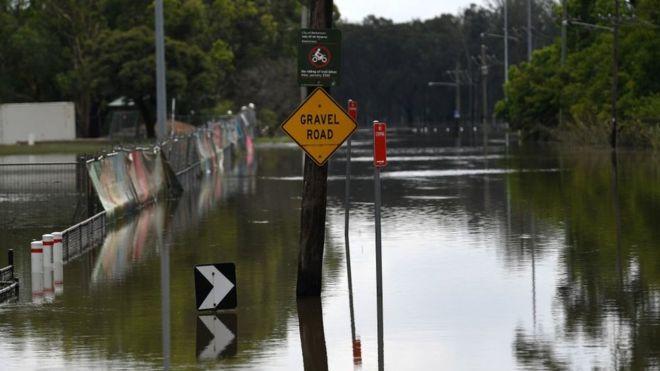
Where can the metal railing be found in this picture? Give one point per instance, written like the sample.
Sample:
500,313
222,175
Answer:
67,186
84,236
40,177
8,281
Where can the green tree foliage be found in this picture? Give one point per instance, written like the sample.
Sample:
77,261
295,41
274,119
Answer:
93,52
581,89
222,53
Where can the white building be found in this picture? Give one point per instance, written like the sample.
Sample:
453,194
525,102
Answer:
22,122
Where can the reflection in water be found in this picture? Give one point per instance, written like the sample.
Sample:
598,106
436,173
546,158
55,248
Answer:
164,297
216,336
509,268
130,244
608,292
312,335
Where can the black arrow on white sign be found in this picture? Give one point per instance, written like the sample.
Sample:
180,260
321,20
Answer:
216,336
215,286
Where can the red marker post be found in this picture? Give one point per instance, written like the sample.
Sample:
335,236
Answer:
380,161
380,144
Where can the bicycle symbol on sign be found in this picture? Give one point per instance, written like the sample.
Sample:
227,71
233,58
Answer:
319,56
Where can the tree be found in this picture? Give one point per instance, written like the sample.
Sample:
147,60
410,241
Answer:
78,24
126,61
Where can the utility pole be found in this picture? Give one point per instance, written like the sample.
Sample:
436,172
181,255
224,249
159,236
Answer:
457,114
314,195
161,92
564,24
615,75
506,41
484,92
529,30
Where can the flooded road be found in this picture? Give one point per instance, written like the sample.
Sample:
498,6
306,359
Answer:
493,259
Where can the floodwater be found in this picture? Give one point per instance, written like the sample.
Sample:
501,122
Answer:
493,259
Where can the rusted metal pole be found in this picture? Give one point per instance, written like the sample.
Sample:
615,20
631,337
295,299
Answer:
314,196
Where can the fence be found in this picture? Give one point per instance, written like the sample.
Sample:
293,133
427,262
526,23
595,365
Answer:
82,237
8,282
58,190
36,178
130,178
102,188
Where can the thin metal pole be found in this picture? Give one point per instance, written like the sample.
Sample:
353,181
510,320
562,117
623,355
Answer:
506,41
161,88
615,75
347,207
379,269
484,92
564,24
173,111
458,90
529,30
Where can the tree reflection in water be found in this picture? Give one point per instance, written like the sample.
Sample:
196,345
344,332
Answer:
608,291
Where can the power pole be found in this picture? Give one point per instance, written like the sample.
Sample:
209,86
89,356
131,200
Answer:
314,196
161,92
506,41
484,92
458,91
564,24
615,75
529,30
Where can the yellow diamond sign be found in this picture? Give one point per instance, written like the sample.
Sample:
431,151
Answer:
319,126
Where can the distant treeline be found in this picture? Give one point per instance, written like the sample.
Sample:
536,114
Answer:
387,66
581,89
222,54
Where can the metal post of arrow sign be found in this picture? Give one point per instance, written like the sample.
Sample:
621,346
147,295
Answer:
215,286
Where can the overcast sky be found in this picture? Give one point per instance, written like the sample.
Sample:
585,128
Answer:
399,10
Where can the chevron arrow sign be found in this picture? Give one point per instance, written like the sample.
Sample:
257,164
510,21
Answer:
215,286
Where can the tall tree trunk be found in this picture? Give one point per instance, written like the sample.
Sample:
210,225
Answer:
83,109
147,117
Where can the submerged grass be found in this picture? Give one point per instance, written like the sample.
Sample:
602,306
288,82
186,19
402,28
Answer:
67,147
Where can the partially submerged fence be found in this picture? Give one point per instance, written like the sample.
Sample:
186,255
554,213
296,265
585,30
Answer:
130,178
8,280
102,188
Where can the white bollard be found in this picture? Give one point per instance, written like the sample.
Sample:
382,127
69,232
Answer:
49,290
48,250
37,257
58,263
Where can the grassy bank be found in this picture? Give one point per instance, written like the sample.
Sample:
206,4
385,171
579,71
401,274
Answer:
68,147
273,139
